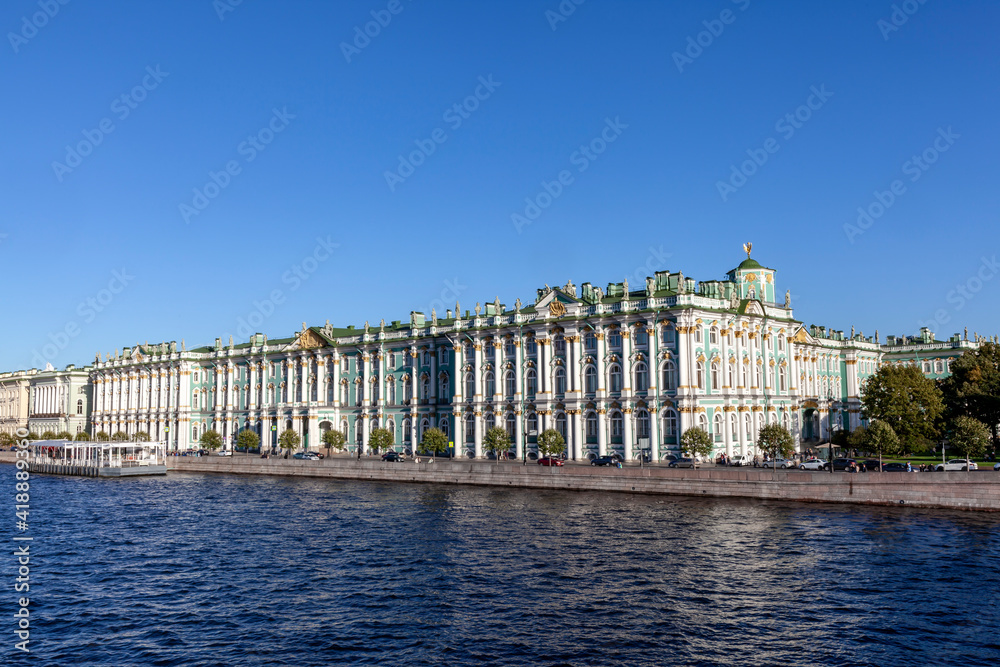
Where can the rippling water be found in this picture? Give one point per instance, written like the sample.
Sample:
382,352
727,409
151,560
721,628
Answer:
215,570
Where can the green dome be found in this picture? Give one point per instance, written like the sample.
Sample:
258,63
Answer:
749,264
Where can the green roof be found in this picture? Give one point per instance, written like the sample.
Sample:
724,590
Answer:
749,264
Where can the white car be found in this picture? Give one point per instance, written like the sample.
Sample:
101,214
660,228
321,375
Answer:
814,464
225,452
996,466
740,460
956,464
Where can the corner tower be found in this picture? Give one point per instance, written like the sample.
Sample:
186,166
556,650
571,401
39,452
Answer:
752,280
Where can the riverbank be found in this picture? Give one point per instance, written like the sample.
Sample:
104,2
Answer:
949,490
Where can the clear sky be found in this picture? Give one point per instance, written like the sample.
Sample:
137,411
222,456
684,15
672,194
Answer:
195,169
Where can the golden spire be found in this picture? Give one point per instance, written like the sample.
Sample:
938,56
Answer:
746,248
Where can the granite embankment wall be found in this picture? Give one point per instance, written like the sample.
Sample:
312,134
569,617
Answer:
952,490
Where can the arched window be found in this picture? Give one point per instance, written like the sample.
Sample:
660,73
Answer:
641,377
734,433
938,367
359,431
697,334
716,385
747,427
531,382
470,386
390,394
590,379
489,385
717,425
641,424
760,422
344,398
615,377
470,428
79,406
424,425
446,427
194,433
781,378
359,393
560,380
784,421
615,419
532,423
669,423
561,424
669,372
509,384
425,388
781,343
510,424
713,336
490,421
700,374
443,386
731,374
669,336
591,428
375,390
703,422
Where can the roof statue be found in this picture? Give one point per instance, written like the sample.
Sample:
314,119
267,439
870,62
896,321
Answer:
458,310
183,346
496,306
734,298
479,309
788,299
680,283
966,333
517,304
381,325
304,327
650,286
625,287
599,292
852,332
876,335
434,316
413,319
570,288
547,288
230,341
747,247
366,326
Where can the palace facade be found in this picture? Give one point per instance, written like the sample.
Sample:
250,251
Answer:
613,369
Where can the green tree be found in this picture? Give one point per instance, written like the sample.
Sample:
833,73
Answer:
140,436
550,443
211,440
49,435
6,439
775,440
82,436
973,389
497,441
120,436
289,439
32,436
879,437
435,441
334,439
247,440
381,439
64,435
907,401
697,442
102,436
970,437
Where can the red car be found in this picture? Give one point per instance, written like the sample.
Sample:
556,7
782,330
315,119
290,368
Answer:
549,461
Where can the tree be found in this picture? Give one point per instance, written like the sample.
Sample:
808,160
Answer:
32,436
247,440
697,442
904,399
211,440
879,437
973,389
6,439
970,437
289,439
550,443
381,438
64,435
334,439
49,435
82,436
140,436
497,441
775,440
435,441
120,436
102,436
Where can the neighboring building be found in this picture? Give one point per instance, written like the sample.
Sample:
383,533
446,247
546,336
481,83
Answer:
14,401
615,369
59,401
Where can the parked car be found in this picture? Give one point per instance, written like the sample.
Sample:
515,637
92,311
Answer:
308,456
684,462
957,464
872,465
896,466
549,461
225,452
604,461
814,463
779,462
844,464
740,460
395,457
996,466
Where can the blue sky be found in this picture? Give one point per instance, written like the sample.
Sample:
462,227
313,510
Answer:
197,169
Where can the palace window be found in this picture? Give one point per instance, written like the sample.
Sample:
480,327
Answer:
561,424
591,428
510,424
531,346
717,426
642,424
531,382
781,378
713,336
590,341
509,384
615,377
446,427
470,428
715,376
560,380
700,374
509,349
669,382
560,345
697,334
616,427
470,386
669,336
590,379
669,423
641,338
79,406
489,385
641,377
615,339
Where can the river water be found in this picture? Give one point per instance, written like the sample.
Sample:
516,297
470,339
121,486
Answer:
197,569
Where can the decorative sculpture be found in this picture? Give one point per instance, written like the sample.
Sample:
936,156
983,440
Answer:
479,309
650,286
788,299
517,305
747,247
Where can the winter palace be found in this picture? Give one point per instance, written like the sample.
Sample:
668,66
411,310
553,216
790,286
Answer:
617,369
